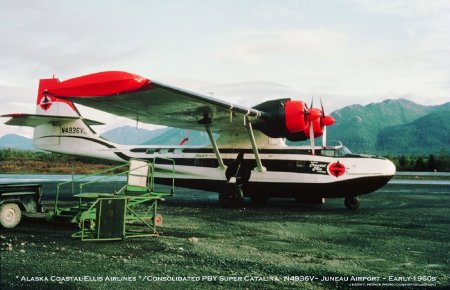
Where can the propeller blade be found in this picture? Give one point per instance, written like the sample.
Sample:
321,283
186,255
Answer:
305,115
311,136
312,102
323,111
324,136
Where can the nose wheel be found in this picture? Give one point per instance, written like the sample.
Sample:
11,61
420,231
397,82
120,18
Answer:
351,202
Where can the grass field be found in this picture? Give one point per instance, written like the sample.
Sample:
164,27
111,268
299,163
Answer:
400,232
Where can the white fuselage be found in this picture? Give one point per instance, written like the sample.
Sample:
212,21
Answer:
290,171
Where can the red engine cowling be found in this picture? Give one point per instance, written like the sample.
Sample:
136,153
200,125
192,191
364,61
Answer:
291,119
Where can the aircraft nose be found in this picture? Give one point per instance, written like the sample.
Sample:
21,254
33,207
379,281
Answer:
389,168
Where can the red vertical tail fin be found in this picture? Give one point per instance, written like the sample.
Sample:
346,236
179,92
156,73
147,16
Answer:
52,105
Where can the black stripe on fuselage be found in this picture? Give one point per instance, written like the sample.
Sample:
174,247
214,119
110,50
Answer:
118,154
227,150
278,165
80,137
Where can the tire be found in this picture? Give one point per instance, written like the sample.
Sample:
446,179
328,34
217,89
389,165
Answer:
10,215
231,196
158,220
351,203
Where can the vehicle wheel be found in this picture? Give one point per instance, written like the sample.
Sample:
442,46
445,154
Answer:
259,199
10,215
231,196
351,202
158,220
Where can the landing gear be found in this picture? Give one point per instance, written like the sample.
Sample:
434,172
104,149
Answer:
231,196
351,202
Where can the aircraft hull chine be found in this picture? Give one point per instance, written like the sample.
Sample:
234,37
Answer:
349,187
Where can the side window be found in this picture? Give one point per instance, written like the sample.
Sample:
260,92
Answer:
327,152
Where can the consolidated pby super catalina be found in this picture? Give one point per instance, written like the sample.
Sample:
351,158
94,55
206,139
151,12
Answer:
250,157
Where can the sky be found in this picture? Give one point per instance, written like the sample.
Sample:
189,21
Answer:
246,52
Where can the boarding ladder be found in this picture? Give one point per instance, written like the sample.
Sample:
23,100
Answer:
128,212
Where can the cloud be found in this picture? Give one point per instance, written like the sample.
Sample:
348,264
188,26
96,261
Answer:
403,8
344,51
252,46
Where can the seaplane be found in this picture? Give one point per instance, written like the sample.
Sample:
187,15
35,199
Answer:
248,159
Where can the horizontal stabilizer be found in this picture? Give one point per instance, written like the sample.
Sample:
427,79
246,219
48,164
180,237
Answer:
31,120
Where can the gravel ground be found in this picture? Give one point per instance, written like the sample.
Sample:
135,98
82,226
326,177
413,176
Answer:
398,238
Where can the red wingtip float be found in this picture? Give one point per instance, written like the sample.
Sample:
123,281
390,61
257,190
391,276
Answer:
95,85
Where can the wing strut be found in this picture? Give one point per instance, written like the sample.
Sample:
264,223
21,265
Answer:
259,165
214,145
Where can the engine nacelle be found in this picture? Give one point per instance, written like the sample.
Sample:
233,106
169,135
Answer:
291,119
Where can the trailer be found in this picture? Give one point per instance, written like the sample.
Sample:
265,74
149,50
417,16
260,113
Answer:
18,198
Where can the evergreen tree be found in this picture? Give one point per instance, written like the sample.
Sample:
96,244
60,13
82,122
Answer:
420,164
402,162
432,164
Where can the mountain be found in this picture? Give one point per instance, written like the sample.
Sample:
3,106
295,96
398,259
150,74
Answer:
173,136
166,136
427,135
129,135
358,127
16,142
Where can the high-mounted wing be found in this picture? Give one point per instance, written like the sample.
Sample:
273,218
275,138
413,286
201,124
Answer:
128,95
132,96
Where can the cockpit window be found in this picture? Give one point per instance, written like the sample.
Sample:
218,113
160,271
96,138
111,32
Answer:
343,151
336,152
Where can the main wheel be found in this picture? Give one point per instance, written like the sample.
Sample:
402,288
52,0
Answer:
351,202
10,215
231,196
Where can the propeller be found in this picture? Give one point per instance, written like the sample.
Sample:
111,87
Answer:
311,114
324,132
324,122
311,136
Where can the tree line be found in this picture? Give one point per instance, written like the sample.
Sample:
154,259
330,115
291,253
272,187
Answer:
432,162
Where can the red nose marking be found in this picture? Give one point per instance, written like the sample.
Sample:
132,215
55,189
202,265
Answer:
336,169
